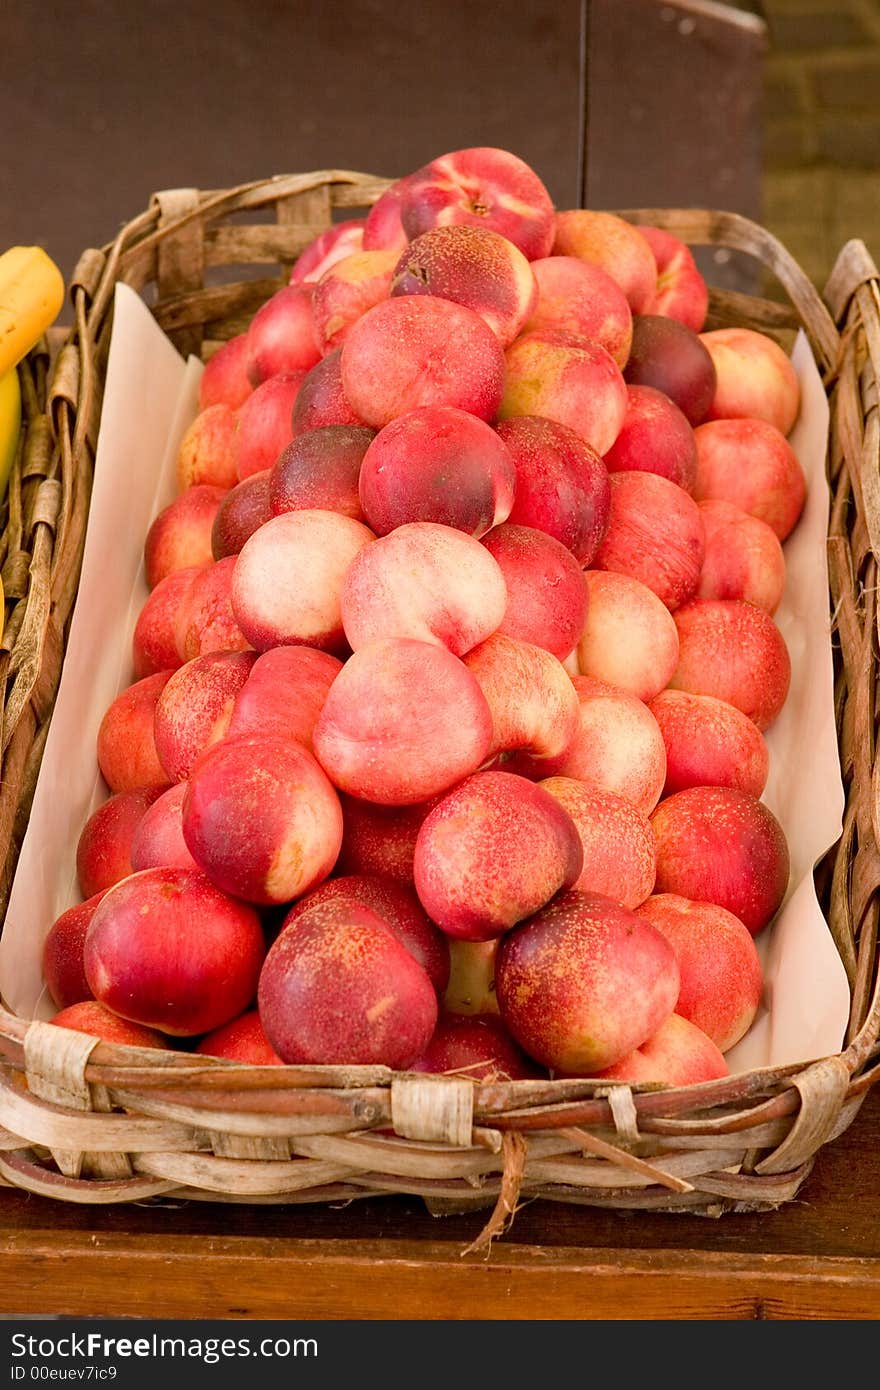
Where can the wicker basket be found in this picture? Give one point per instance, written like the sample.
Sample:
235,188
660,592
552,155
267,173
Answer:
99,1123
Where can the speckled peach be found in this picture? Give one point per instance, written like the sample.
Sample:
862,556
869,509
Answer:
478,1048
347,290
709,743
225,380
320,470
751,464
400,910
480,186
618,746
180,536
338,987
755,378
534,706
284,693
62,954
734,651
629,638
380,839
569,379
206,622
242,1040
420,350
194,709
655,534
327,249
206,453
288,578
424,581
546,591
261,819
668,356
618,842
678,1054
126,747
320,400
154,641
721,974
743,557
103,851
265,424
403,721
584,982
562,485
243,511
720,845
495,850
473,266
282,336
575,296
158,840
655,437
100,1022
681,291
618,247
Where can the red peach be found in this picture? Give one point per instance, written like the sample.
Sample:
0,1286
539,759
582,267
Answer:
339,987
103,851
126,748
616,246
243,511
671,358
655,437
320,400
206,453
655,534
205,620
681,291
347,290
403,721
284,694
242,1040
321,469
721,974
743,557
383,229
424,581
734,651
629,638
473,266
195,708
225,380
400,911
282,336
709,743
154,643
480,187
751,464
618,747
380,839
678,1054
288,578
571,380
91,1017
261,819
755,378
720,845
180,536
440,464
168,950
157,842
562,485
620,857
534,706
400,356
495,850
546,593
327,249
479,1048
584,982
575,296
471,988
265,424
62,956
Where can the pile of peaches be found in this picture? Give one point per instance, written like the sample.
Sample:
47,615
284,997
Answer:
444,744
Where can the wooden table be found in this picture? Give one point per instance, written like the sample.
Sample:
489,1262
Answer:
817,1257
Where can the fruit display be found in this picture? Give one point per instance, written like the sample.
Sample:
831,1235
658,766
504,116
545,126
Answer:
443,740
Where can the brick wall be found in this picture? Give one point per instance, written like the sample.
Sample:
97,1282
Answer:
821,182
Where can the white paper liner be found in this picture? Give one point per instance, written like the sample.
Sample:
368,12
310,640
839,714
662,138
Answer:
151,396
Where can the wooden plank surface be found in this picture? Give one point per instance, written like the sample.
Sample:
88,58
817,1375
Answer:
817,1257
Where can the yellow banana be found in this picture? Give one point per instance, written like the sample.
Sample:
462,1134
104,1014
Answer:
31,295
10,424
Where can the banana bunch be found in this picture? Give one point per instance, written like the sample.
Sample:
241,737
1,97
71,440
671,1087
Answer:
31,295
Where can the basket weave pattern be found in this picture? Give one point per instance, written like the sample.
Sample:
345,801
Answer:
93,1122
